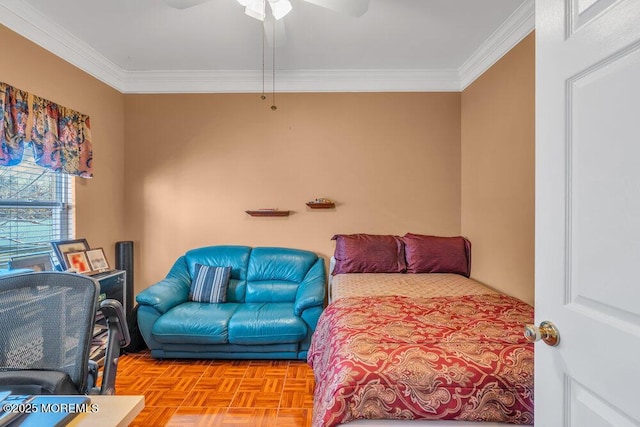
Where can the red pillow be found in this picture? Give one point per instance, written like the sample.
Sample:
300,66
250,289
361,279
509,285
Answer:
368,253
432,254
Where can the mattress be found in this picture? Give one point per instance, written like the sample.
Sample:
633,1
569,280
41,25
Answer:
410,285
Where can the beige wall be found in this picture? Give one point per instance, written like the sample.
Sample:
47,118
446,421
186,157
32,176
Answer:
498,172
195,163
100,200
439,163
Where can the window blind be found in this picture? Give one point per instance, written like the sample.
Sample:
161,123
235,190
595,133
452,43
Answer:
36,207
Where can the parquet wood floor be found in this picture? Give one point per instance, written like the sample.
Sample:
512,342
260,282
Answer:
261,393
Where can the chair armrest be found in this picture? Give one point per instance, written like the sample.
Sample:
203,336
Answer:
118,337
114,313
165,294
311,291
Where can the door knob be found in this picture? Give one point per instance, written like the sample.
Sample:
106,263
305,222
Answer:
547,332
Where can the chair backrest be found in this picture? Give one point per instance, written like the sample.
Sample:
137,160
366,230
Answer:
46,322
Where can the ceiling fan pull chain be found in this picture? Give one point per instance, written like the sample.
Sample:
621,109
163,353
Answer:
273,85
263,96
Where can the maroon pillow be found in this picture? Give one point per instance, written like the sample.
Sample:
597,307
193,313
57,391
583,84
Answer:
368,253
432,254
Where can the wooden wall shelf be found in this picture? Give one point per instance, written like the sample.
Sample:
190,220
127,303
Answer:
318,205
268,212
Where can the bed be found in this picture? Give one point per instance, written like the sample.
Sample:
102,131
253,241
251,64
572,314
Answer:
428,346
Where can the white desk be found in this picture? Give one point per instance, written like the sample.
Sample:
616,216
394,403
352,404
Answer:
113,411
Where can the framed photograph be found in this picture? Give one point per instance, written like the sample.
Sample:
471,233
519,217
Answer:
97,260
63,247
40,262
78,261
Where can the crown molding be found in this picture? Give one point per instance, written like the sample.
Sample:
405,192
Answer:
510,33
30,23
243,81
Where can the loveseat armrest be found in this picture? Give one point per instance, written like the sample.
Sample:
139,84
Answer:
312,290
165,294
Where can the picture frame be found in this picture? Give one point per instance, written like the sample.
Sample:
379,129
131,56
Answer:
38,262
62,247
77,261
97,260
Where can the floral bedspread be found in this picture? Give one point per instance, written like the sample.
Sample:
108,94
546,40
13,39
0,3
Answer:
396,357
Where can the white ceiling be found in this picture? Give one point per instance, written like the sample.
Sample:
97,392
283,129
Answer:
141,46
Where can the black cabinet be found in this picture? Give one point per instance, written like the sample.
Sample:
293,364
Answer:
112,285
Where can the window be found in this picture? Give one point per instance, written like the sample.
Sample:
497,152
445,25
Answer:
35,208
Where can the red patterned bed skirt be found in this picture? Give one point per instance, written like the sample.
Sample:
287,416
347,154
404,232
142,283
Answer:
445,358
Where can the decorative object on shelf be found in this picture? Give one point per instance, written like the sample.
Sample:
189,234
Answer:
97,260
63,247
268,212
40,262
78,261
77,256
321,203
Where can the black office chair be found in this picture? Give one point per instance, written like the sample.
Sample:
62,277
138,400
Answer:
47,322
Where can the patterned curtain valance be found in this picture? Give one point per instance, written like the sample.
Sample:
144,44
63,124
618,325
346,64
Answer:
14,111
61,138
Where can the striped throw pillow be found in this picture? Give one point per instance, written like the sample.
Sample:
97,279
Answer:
210,284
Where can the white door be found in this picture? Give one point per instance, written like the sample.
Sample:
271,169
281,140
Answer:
588,211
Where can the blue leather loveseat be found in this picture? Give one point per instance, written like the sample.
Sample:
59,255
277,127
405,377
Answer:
274,299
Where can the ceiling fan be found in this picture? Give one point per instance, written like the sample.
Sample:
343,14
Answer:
279,8
276,35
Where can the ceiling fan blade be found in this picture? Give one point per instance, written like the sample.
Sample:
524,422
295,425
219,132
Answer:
280,32
348,7
184,4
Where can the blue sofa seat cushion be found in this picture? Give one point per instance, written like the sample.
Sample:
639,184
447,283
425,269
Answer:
266,323
195,323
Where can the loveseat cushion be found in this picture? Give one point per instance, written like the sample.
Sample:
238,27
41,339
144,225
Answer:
266,323
237,257
274,274
195,323
279,264
271,291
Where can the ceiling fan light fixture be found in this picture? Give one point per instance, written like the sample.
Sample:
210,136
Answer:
254,8
280,8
